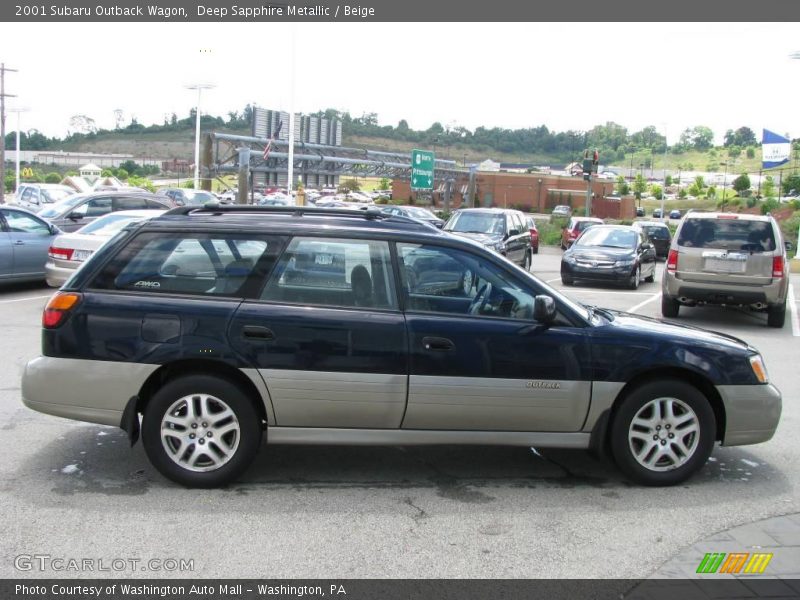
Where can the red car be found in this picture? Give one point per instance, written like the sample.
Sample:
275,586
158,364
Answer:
534,234
575,227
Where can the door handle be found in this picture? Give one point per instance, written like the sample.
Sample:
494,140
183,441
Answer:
19,243
256,332
437,344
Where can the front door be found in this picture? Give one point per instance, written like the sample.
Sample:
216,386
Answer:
30,239
327,336
478,360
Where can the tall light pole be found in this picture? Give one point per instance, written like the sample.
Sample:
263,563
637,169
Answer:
796,56
18,111
664,188
199,87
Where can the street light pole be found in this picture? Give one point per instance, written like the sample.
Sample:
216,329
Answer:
199,87
18,111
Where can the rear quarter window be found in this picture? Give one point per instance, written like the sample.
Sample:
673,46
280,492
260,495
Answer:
191,263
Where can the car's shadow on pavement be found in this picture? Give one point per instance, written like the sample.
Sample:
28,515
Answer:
98,460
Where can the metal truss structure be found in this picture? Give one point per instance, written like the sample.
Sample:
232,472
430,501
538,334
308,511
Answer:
224,153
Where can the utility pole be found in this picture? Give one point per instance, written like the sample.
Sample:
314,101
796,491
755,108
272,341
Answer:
3,96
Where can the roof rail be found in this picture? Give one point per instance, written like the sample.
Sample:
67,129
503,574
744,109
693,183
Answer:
296,211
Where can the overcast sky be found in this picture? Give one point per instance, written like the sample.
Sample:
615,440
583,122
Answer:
565,76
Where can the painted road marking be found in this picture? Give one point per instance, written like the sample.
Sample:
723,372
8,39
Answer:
648,301
793,312
591,291
23,299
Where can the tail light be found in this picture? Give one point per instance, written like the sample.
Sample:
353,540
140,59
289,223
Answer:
777,267
573,234
672,261
58,308
60,253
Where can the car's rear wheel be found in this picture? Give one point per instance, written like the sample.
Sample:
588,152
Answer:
776,315
669,307
201,430
663,432
536,249
526,263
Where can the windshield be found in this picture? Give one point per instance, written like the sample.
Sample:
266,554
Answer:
61,207
470,222
607,238
419,213
728,234
110,224
657,233
56,195
193,197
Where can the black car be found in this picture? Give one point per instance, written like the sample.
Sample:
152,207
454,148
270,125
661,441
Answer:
206,330
610,254
502,230
415,212
658,234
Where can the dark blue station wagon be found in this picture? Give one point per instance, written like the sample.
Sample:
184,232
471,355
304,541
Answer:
206,329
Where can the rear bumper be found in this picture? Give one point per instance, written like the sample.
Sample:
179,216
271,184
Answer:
55,275
752,413
84,390
717,293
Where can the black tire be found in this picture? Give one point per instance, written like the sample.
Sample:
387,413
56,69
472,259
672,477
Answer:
240,403
638,398
652,277
526,262
566,279
776,315
536,249
635,278
669,307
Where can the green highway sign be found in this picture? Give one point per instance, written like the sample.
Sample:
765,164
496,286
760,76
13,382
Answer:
421,170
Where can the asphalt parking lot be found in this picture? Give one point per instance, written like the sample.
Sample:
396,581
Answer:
77,490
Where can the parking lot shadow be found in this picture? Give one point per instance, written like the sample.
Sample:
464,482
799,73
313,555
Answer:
98,460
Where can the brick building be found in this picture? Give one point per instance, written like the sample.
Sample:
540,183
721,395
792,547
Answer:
530,192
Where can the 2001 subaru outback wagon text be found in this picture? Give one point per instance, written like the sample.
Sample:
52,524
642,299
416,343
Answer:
209,328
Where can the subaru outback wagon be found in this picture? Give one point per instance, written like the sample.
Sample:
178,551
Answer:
208,329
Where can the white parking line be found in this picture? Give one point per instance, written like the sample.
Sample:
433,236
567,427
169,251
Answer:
23,299
648,301
793,312
552,280
572,290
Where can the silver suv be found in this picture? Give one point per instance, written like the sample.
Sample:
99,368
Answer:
727,258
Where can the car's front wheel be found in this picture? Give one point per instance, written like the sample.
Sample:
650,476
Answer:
662,432
201,430
635,278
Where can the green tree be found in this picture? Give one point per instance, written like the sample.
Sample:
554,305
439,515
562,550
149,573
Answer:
623,189
769,205
639,186
682,193
383,185
741,183
668,180
53,178
734,151
791,182
350,185
122,174
768,187
106,173
656,191
750,152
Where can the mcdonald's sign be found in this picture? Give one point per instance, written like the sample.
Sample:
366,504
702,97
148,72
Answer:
734,563
27,172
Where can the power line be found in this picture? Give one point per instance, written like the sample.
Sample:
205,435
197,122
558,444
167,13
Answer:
3,96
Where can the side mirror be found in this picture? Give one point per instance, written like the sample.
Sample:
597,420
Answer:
544,309
788,245
54,230
75,216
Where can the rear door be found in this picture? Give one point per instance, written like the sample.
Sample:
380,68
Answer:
327,335
478,360
29,237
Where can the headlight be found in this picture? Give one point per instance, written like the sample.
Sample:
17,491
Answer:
628,262
499,247
568,258
759,369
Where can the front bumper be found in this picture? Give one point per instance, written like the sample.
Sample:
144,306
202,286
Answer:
606,274
752,413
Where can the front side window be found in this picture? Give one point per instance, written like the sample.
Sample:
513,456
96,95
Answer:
192,263
333,272
440,279
96,207
22,223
